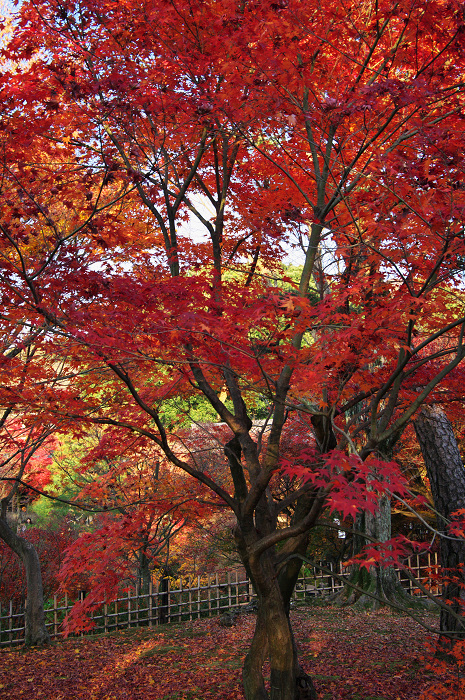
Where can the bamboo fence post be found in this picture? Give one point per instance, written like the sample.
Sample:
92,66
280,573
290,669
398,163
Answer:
137,605
10,622
158,611
150,605
230,586
190,599
55,616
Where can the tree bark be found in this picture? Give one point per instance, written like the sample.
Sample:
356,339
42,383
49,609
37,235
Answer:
380,584
36,632
163,597
144,573
273,638
287,679
446,475
252,674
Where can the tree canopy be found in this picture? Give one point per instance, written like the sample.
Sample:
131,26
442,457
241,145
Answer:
333,130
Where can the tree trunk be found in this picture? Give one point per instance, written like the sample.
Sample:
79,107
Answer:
252,675
163,597
287,579
380,584
273,576
36,632
144,571
274,639
446,474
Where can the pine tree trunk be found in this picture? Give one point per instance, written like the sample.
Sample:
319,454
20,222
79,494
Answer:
36,632
446,474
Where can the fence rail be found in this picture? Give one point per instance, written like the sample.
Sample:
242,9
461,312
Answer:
206,596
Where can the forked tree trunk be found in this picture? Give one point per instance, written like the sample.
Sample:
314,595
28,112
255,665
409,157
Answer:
446,474
305,690
36,632
274,640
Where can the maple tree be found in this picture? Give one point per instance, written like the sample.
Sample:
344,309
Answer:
337,130
139,508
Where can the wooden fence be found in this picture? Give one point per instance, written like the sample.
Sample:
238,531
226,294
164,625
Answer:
182,600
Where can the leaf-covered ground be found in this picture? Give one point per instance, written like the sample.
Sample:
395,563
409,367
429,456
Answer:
351,656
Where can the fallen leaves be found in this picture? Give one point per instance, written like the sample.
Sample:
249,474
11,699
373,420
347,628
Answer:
350,656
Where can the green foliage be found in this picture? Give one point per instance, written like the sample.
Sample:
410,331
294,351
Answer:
181,412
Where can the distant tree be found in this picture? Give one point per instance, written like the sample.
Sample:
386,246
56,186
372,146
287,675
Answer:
23,457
